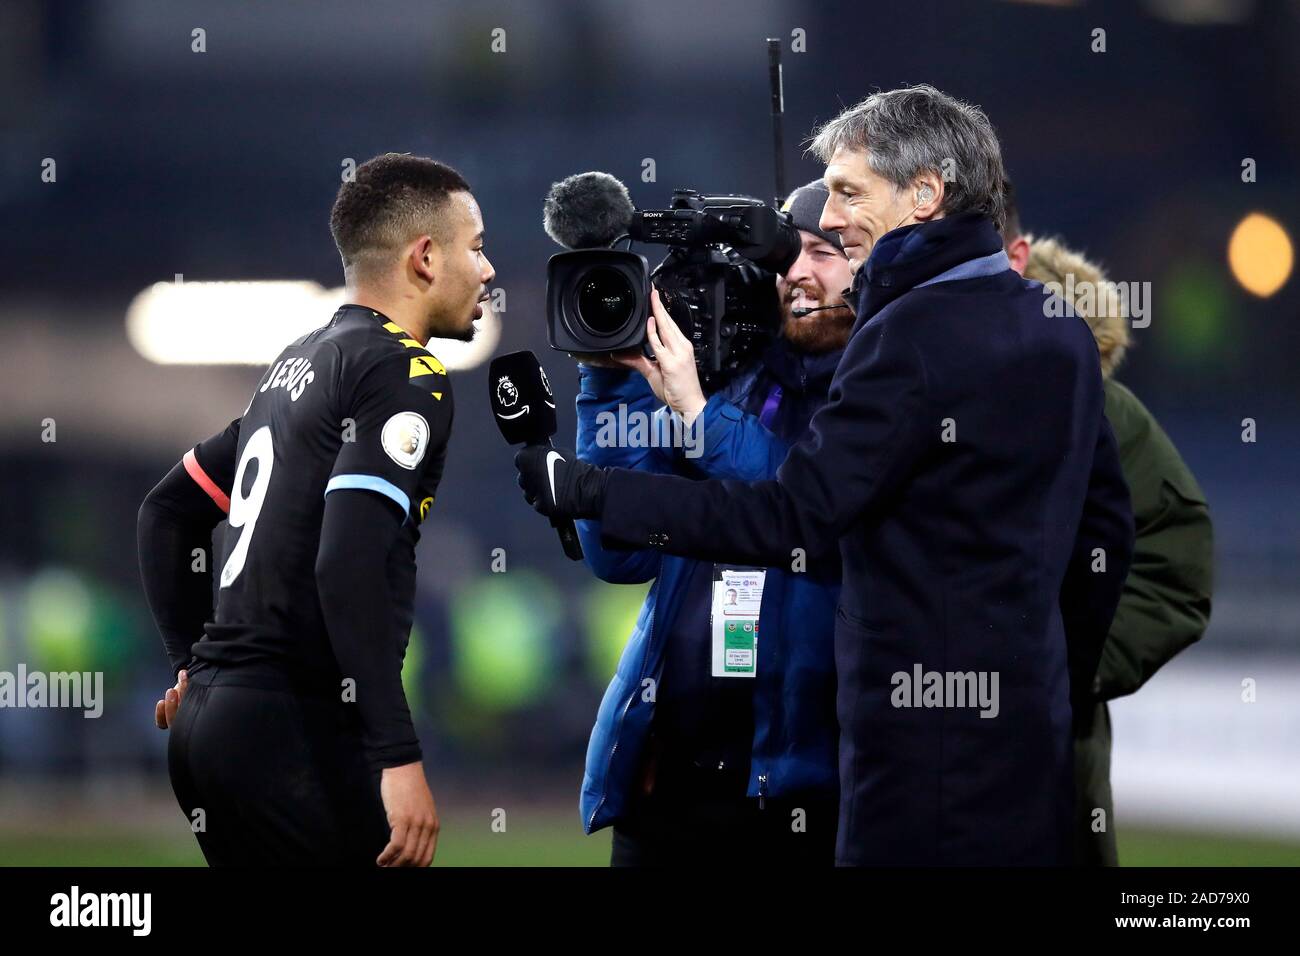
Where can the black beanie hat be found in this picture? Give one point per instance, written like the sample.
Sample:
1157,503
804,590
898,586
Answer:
805,208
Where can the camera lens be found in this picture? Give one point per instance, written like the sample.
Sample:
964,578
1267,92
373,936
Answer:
605,301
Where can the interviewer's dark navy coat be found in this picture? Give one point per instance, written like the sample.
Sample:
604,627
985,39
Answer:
966,470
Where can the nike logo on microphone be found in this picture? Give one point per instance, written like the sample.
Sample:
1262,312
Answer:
551,459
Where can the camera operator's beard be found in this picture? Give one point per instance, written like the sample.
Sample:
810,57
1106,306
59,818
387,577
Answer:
819,332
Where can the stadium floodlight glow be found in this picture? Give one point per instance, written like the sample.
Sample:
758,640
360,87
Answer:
1260,254
250,323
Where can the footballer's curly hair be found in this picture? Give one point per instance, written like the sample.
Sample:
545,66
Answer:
392,199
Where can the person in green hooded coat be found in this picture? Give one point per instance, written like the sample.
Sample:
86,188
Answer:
1166,599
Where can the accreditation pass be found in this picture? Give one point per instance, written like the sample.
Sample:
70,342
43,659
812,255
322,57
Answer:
737,597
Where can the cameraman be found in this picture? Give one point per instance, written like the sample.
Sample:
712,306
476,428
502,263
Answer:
689,767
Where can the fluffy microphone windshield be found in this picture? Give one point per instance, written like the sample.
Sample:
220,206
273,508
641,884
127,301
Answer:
586,210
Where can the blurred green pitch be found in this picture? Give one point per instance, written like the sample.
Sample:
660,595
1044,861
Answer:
554,839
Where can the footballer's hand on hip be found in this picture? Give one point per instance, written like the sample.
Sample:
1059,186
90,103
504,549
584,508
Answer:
164,712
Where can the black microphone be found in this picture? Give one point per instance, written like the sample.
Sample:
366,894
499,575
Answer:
842,304
800,313
524,409
589,210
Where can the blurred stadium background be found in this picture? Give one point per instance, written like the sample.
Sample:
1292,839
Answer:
219,166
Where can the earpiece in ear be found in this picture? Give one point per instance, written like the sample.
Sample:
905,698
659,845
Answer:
924,195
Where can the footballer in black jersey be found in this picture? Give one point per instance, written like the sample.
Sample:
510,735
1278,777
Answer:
356,404
290,736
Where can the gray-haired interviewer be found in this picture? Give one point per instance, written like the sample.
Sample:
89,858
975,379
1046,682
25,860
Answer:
965,470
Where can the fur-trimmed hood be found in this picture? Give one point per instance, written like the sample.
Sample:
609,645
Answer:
1050,260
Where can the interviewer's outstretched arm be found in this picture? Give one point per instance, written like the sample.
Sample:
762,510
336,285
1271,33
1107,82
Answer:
862,445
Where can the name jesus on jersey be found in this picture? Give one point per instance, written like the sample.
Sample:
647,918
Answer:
293,375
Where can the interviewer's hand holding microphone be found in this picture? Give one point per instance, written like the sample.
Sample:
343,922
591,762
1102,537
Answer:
588,211
560,485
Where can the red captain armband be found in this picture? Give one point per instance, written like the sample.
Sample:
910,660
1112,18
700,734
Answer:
195,471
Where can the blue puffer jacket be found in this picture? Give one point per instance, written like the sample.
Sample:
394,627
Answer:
795,732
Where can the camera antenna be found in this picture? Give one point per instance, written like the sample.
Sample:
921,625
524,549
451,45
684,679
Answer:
778,114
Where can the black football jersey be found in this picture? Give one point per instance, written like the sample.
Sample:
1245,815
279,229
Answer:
356,404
